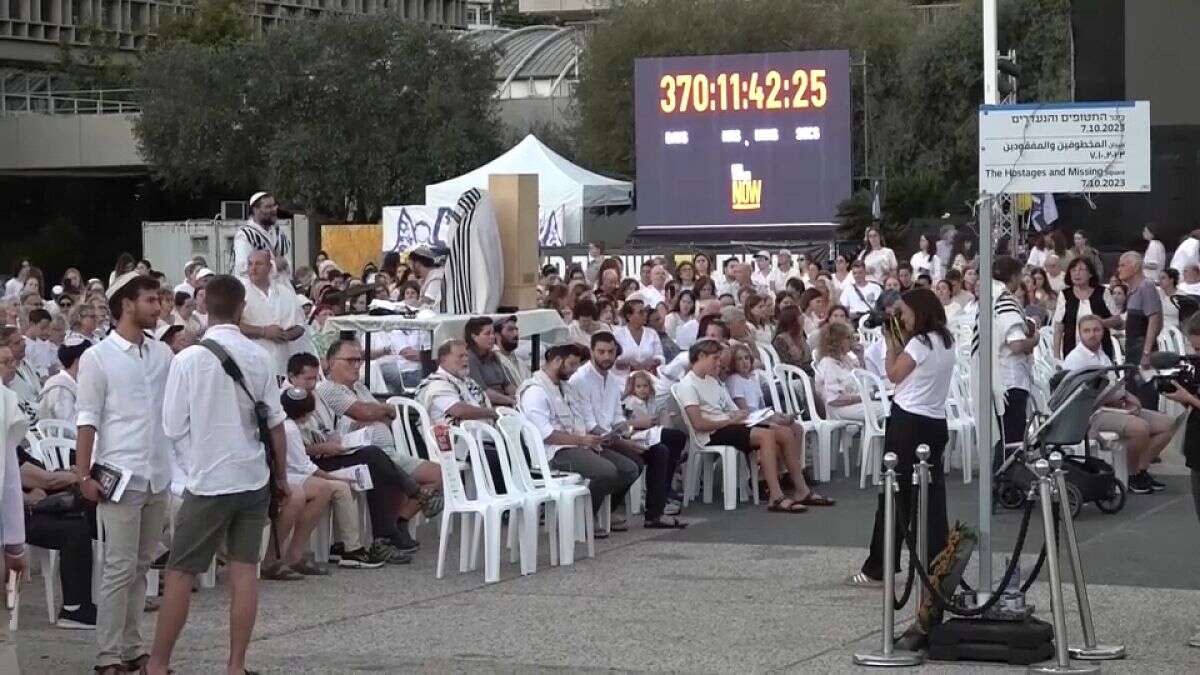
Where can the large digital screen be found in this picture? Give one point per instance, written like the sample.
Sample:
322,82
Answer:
742,140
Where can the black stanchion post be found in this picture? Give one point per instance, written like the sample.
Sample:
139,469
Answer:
1090,651
888,655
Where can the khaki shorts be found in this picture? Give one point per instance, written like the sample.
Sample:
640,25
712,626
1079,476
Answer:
205,522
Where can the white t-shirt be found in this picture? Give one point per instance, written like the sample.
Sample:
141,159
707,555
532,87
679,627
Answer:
299,465
745,388
880,263
710,395
1081,357
923,263
925,389
853,303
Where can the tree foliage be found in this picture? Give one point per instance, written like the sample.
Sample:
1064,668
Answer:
915,103
340,116
210,22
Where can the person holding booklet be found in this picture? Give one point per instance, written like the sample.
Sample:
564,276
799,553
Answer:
120,436
312,491
717,420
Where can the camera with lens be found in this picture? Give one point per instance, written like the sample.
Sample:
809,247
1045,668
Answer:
881,315
1175,370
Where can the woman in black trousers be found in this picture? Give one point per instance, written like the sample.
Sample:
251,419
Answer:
920,360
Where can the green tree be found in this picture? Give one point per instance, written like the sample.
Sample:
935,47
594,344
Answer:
210,23
342,116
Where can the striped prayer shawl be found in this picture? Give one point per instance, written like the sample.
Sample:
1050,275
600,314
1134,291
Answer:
459,297
1003,311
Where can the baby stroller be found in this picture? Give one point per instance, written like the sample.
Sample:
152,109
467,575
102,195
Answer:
1075,397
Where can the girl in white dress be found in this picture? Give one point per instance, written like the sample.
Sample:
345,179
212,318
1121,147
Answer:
879,259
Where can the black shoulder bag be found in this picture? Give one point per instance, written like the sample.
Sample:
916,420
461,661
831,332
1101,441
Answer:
261,416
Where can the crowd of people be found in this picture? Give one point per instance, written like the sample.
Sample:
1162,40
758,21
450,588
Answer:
138,373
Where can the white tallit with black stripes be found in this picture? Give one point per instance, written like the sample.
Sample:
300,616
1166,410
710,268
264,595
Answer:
1005,311
252,237
475,266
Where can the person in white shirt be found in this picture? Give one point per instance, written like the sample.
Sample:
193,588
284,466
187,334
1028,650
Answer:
547,401
859,296
688,331
716,420
508,349
1038,251
1190,285
640,347
834,379
40,352
1188,251
1017,337
12,510
398,353
119,421
57,400
654,294
1054,273
921,363
228,486
879,259
597,396
1155,257
272,316
761,274
189,284
1145,433
926,260
425,268
1168,288
784,270
314,490
262,233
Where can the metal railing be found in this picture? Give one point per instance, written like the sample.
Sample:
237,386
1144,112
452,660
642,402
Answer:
77,102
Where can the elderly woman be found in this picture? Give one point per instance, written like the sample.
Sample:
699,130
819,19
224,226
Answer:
834,380
1084,295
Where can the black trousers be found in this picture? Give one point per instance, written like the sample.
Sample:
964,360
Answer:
493,460
70,536
659,462
1012,423
905,431
388,480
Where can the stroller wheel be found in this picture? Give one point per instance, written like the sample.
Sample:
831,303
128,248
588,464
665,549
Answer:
1115,501
1010,496
1075,499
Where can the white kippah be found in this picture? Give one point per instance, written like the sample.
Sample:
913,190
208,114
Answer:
120,283
257,196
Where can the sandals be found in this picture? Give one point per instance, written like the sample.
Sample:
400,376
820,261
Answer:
814,499
777,506
660,524
861,580
431,502
279,572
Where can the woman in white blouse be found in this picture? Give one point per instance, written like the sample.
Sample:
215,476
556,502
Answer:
945,295
1038,252
1168,286
1155,258
926,260
640,346
879,259
833,373
841,272
683,311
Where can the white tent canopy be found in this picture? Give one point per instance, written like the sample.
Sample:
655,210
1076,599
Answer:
561,184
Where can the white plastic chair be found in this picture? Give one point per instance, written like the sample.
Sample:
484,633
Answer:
55,454
484,511
55,429
702,459
827,430
518,482
572,498
871,453
406,434
960,422
769,357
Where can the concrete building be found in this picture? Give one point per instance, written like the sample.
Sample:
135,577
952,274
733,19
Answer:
537,68
31,31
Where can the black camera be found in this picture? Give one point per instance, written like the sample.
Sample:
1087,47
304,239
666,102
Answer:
1175,370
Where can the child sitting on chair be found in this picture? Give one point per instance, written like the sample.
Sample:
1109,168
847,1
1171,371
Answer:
312,490
646,413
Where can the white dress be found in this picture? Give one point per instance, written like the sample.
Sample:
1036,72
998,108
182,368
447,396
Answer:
648,348
880,263
923,263
1155,258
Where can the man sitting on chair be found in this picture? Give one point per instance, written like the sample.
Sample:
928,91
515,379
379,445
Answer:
547,402
451,396
1144,432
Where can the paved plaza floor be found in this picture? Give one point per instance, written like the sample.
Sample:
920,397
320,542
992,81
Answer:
738,592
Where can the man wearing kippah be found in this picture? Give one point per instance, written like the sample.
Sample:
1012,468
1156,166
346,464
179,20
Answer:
262,233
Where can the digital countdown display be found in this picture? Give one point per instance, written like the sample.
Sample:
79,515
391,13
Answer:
742,140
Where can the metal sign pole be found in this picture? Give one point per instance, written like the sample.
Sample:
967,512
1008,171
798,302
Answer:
983,398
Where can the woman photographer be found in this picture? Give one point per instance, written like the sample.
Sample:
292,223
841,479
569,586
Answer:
921,362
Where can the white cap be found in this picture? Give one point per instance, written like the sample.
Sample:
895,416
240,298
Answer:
120,283
784,251
56,291
763,254
257,196
204,272
161,331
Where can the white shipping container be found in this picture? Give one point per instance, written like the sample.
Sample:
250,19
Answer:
170,245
